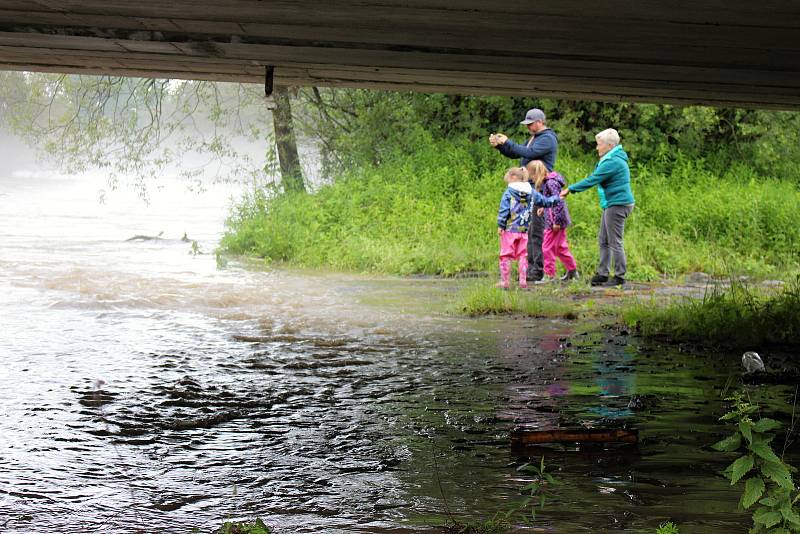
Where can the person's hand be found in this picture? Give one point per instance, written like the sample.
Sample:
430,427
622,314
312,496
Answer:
540,212
564,192
500,139
499,231
556,227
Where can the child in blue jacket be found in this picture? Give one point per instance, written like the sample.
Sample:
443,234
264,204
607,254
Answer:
513,219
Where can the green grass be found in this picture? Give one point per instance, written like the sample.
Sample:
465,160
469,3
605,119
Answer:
484,299
738,316
255,527
434,212
667,527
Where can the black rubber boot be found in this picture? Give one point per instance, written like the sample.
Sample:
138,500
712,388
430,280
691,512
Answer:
570,275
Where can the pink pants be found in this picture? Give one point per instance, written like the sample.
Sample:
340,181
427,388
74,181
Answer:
555,246
513,247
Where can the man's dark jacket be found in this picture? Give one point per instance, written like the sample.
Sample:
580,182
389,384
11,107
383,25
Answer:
544,147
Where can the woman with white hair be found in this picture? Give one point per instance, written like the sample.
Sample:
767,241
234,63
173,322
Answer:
612,176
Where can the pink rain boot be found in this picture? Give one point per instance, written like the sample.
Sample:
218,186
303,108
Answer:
505,272
522,265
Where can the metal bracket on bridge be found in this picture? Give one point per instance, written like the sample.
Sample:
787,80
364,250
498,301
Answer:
269,75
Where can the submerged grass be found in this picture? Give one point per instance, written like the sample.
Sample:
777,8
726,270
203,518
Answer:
485,299
737,316
255,527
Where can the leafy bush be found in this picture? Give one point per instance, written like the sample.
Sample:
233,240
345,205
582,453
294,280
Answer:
769,489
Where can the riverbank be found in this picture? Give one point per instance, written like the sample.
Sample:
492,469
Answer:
434,212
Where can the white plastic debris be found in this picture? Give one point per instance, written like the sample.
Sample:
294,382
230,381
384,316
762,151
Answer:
751,362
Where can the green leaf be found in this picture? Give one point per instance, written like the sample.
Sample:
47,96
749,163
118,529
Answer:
768,501
549,478
766,517
753,490
763,450
528,468
746,427
729,444
728,416
260,528
766,424
740,467
790,515
779,474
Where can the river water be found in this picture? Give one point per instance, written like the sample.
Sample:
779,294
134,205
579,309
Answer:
144,388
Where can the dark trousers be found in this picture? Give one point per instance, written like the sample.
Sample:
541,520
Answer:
535,239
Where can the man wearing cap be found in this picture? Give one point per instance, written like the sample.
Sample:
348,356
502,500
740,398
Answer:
543,145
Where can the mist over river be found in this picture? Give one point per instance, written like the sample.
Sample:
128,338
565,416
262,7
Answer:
145,387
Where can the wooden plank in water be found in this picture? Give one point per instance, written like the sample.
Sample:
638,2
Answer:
521,438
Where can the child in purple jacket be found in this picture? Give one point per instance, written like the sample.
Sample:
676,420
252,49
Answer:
556,222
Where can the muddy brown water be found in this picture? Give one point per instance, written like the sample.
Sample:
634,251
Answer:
142,389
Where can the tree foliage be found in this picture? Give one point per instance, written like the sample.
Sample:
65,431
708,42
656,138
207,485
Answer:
139,128
357,127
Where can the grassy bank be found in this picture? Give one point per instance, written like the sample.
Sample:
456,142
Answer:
434,212
738,316
733,316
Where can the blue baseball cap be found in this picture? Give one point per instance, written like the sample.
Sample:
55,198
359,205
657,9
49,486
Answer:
533,115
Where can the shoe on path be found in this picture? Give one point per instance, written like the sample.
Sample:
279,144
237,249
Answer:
615,281
546,280
598,280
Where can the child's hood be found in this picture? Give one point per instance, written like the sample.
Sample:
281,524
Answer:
520,189
558,178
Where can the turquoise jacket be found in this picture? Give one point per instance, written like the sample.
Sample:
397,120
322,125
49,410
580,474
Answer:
612,176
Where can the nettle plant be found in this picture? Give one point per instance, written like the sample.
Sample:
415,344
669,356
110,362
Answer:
768,489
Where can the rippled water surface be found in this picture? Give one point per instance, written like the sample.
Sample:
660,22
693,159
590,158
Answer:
144,389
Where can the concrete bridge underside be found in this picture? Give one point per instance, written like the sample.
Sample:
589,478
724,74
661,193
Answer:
723,53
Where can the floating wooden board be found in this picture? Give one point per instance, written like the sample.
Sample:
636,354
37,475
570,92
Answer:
521,438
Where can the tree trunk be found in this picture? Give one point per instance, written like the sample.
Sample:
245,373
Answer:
291,172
